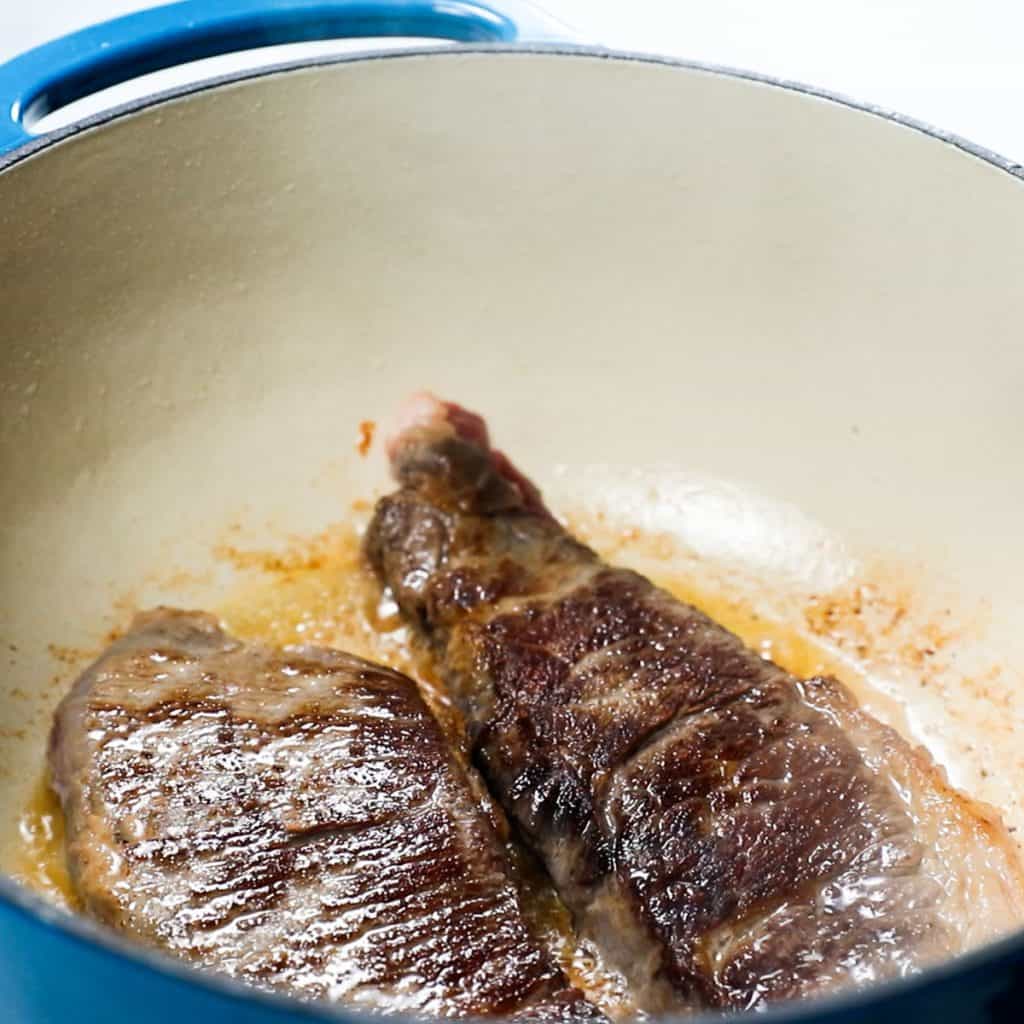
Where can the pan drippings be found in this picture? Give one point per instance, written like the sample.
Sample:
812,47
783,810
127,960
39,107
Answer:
320,592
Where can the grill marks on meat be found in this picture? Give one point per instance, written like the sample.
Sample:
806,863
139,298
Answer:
294,819
730,835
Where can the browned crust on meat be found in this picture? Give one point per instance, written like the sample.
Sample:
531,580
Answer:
293,818
723,839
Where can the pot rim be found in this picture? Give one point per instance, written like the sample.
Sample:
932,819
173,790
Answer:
39,143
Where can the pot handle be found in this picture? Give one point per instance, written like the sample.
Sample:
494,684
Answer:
95,58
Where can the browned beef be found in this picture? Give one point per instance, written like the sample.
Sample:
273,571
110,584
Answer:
728,834
294,819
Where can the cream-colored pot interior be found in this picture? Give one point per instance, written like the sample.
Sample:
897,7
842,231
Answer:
782,329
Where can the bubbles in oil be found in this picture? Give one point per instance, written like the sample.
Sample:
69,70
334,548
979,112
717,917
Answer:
39,862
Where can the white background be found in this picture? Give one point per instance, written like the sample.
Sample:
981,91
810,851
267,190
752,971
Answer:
956,65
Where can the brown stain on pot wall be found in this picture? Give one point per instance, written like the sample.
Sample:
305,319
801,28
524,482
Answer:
366,432
864,619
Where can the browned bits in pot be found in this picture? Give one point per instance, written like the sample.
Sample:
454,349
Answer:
366,432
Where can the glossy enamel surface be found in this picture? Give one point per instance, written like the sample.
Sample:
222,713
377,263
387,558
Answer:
631,266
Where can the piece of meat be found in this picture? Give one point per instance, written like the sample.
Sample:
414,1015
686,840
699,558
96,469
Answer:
728,834
295,819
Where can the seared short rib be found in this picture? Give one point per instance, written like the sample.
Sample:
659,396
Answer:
728,834
294,819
